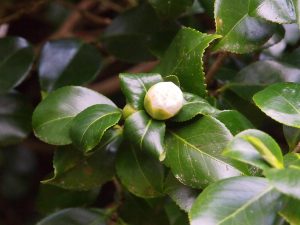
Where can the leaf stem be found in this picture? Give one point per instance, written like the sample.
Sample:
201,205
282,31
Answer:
215,67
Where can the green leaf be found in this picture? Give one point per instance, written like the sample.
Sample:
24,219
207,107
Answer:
277,11
16,59
76,63
182,195
52,118
184,59
234,121
281,102
291,211
241,32
208,5
88,127
292,136
171,9
141,174
193,106
15,118
146,134
135,86
285,180
256,148
292,159
297,10
238,200
75,171
194,153
75,216
51,198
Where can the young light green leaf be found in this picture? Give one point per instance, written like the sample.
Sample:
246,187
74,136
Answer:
292,136
141,174
52,118
193,106
285,180
194,153
75,62
256,148
16,59
15,118
238,200
281,102
135,86
88,127
146,133
75,171
241,32
184,59
75,216
291,211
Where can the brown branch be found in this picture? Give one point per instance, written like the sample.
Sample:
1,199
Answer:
3,30
297,148
112,85
215,67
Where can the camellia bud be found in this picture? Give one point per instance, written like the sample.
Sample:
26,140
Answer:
163,100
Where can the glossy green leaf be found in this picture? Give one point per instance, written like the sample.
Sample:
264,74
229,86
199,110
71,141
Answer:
184,59
15,118
238,200
175,215
135,86
256,148
182,195
75,62
193,106
51,198
75,171
277,11
281,102
141,174
130,40
291,211
241,32
75,216
145,133
285,180
171,9
16,59
234,121
88,127
52,118
292,136
194,153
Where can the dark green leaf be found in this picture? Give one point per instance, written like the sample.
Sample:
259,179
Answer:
141,174
281,102
292,136
256,148
172,78
184,59
51,198
238,200
16,59
135,86
193,106
171,9
182,195
75,216
76,171
88,127
15,118
75,62
52,117
194,153
234,121
175,214
291,211
208,5
146,134
285,180
241,32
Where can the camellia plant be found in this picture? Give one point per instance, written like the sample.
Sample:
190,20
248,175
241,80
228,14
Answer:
210,136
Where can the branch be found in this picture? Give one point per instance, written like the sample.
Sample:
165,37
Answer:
112,85
297,148
215,67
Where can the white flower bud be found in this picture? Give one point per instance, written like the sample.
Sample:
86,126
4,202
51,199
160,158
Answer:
163,100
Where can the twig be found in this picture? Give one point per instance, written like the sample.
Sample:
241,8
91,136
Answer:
112,85
215,67
3,30
297,148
